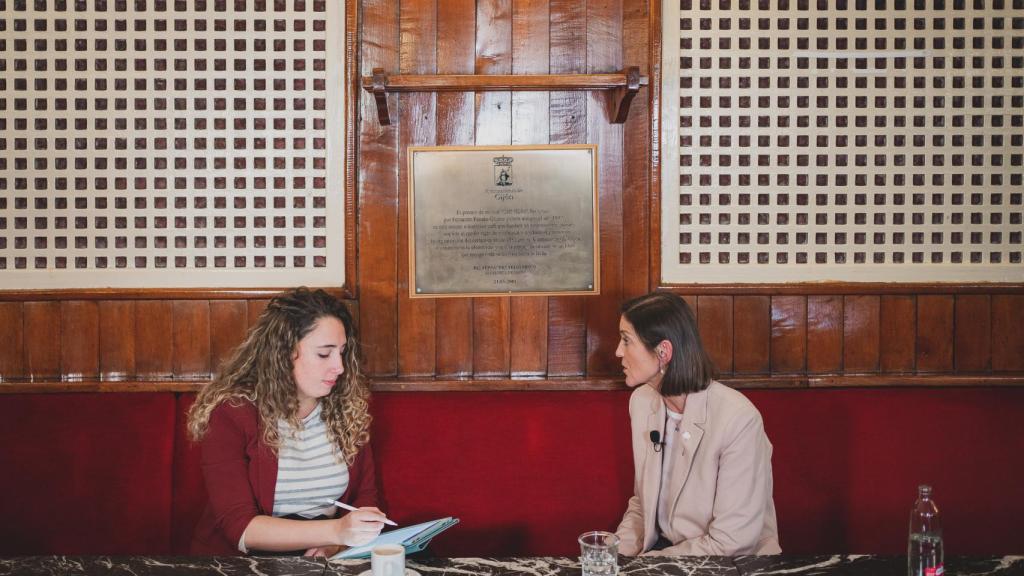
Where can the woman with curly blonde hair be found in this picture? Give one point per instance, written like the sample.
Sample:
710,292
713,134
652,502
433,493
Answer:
284,430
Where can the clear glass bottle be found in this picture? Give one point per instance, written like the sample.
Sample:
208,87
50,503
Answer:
924,551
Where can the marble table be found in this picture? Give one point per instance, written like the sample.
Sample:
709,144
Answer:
837,565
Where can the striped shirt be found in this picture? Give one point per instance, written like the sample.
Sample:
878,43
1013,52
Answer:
308,474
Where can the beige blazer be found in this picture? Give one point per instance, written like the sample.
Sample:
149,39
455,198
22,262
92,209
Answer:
721,485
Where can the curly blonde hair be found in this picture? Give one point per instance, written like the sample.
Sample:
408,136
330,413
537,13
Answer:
260,371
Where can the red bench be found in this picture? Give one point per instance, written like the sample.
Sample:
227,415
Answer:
112,473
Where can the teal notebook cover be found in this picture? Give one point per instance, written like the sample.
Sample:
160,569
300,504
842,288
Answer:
413,538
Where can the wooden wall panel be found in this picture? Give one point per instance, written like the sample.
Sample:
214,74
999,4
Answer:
528,333
191,338
973,344
229,322
417,55
752,326
491,347
861,333
714,319
12,341
455,126
531,46
377,278
43,340
789,334
154,338
636,162
255,308
934,333
567,349
493,121
567,327
80,339
1007,333
604,53
824,334
117,339
897,327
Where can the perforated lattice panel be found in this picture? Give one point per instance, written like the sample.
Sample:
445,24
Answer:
171,143
843,140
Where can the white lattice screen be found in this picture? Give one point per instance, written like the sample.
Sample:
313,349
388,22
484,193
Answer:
851,140
171,143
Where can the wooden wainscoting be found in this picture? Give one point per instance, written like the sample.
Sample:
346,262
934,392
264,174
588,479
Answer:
755,340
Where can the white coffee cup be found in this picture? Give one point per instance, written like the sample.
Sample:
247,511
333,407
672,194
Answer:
387,560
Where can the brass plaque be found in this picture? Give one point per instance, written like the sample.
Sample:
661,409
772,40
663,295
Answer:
487,220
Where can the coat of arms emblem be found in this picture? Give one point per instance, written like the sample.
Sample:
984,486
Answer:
502,171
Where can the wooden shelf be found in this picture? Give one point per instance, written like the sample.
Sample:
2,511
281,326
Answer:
622,85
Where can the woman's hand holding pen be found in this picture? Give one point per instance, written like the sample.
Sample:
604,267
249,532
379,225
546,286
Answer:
359,527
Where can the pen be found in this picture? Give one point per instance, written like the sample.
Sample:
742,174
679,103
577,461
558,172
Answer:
353,509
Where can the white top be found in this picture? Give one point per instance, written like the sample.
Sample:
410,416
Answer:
670,452
308,473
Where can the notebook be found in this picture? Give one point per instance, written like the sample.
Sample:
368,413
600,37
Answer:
413,538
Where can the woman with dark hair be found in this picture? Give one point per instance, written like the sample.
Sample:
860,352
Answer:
284,430
702,461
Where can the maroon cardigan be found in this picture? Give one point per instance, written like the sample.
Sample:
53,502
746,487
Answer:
240,472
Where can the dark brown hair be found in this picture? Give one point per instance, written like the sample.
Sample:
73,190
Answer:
665,316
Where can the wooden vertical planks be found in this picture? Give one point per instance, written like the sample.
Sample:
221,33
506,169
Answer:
229,322
531,48
493,56
897,333
191,338
861,334
567,336
528,348
567,329
824,334
378,196
1007,332
12,341
154,333
972,344
493,122
531,52
604,52
254,308
789,334
417,55
454,113
934,333
491,347
714,319
80,339
752,325
636,162
117,339
42,340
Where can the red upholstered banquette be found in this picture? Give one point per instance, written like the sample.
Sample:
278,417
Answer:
112,473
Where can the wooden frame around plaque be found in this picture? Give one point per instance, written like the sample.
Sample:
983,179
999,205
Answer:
503,220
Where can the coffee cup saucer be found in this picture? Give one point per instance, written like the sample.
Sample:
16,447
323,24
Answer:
408,572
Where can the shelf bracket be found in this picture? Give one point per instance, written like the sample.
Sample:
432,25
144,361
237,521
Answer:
624,95
379,89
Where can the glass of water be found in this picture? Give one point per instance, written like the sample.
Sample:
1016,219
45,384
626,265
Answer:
599,553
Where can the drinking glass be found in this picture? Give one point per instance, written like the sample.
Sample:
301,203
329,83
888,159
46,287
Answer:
599,553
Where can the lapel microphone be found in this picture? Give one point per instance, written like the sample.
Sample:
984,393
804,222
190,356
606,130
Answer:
656,440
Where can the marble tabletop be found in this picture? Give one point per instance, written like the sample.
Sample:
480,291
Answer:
836,565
